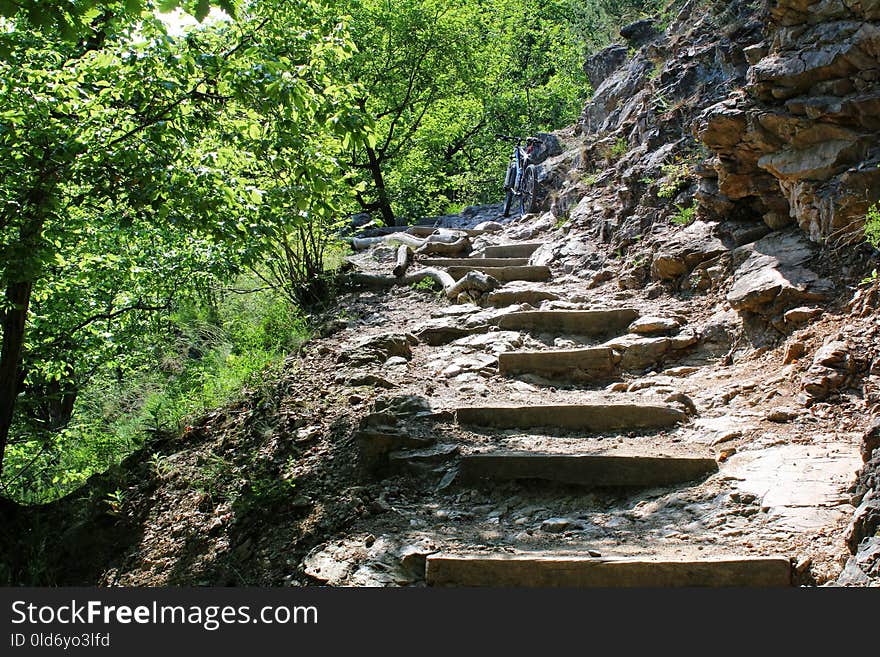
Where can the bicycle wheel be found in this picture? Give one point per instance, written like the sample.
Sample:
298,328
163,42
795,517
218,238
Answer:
509,181
528,190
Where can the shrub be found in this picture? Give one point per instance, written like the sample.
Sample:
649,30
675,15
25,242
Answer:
684,216
872,226
619,149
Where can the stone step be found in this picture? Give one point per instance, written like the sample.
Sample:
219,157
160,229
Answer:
516,250
571,322
474,262
589,364
504,274
584,417
509,297
585,469
550,570
426,231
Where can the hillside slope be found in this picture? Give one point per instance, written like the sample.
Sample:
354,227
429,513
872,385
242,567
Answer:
697,307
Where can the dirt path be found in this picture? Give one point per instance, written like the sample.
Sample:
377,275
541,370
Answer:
555,453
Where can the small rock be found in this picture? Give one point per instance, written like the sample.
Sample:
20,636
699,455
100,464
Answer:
801,315
414,559
680,371
653,325
782,414
395,361
794,351
559,525
620,386
727,437
369,540
600,277
489,226
833,354
725,454
803,564
307,434
448,479
684,400
355,400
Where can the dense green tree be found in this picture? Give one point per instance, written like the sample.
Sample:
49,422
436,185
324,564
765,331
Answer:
141,173
438,78
133,166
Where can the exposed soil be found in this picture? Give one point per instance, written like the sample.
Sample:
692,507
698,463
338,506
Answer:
274,490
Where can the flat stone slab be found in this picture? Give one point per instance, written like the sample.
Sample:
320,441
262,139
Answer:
585,417
503,274
509,297
585,469
803,487
547,570
654,326
472,262
518,250
570,322
573,364
437,332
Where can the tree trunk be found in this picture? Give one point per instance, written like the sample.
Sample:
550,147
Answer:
382,202
18,296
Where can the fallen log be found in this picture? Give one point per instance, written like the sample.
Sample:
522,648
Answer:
427,231
405,257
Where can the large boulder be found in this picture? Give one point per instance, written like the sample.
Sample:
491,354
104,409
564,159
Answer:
771,276
641,32
604,63
685,250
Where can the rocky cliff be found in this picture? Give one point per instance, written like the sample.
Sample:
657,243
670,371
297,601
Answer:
730,151
769,111
798,142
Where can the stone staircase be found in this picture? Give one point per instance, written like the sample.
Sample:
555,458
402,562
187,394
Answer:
585,466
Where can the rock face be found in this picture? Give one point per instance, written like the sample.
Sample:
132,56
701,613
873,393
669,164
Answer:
772,276
863,568
680,254
798,143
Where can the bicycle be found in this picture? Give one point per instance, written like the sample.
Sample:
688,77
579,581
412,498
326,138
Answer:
521,179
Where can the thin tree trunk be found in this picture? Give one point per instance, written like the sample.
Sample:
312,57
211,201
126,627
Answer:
18,296
382,202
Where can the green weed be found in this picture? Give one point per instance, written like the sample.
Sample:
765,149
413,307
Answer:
684,216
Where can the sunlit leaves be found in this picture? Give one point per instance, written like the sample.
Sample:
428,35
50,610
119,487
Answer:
143,170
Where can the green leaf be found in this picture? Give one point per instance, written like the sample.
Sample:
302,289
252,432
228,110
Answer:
202,9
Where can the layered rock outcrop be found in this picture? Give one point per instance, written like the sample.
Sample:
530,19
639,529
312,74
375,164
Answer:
798,143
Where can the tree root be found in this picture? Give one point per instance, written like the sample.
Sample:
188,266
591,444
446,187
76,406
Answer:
405,257
474,282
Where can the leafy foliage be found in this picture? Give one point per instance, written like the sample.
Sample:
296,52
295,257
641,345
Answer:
145,176
872,226
685,215
140,172
440,78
